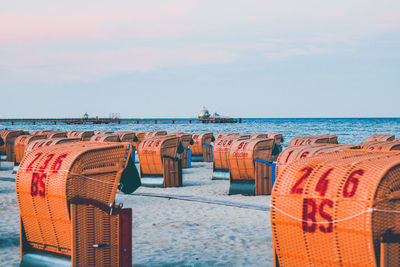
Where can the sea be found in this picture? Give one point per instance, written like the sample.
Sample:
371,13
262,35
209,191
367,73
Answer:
348,130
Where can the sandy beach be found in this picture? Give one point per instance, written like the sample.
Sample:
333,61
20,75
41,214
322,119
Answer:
234,231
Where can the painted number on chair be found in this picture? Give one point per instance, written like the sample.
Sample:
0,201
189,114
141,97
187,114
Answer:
39,176
320,208
38,186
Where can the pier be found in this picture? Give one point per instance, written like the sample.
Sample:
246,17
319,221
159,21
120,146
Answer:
96,120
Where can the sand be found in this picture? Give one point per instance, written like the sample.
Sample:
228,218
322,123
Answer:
172,231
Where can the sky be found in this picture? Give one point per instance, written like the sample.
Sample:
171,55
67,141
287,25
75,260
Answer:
169,58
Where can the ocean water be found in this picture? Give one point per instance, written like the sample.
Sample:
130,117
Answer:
348,130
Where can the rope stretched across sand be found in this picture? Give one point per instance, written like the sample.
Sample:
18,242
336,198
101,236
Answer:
205,200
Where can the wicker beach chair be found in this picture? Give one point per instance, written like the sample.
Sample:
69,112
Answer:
22,142
293,153
186,156
380,138
42,132
202,148
251,169
105,138
221,150
159,164
313,139
104,132
56,134
66,199
83,135
381,146
7,148
222,135
338,209
49,142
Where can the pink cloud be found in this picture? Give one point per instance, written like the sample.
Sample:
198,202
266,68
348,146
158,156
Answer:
152,22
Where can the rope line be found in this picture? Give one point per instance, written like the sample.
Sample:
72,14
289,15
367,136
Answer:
334,221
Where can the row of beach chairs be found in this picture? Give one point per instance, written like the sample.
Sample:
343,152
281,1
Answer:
331,204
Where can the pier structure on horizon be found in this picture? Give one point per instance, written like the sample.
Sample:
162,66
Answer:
97,120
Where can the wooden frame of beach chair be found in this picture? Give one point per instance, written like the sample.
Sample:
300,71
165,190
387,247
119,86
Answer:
66,199
221,150
83,135
7,148
293,153
380,138
105,138
333,209
251,169
202,148
22,142
186,156
159,164
314,139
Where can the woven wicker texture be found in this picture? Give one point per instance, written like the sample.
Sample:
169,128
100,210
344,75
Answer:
221,149
22,142
151,152
199,139
104,132
44,132
8,136
48,142
56,134
104,138
223,135
93,226
243,154
154,134
83,135
258,136
293,153
380,138
327,210
50,177
380,146
313,139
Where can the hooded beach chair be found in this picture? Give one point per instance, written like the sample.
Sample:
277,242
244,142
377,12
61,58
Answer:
159,163
22,142
338,209
202,148
314,139
221,152
7,148
251,171
68,216
293,153
186,156
82,135
380,138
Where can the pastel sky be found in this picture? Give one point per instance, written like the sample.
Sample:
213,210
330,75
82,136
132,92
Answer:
168,58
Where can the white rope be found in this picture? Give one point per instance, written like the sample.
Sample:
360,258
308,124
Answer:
334,221
68,172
